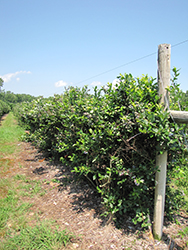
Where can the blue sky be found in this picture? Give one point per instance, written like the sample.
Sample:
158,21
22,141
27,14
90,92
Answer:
47,44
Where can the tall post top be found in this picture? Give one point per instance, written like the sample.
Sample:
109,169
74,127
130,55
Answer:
164,45
164,53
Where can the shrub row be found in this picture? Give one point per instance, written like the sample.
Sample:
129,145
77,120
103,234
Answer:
111,137
4,108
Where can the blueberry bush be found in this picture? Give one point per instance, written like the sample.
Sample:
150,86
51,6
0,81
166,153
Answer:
111,137
4,108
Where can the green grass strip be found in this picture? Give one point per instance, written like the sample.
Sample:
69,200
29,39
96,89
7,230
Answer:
14,230
41,236
10,134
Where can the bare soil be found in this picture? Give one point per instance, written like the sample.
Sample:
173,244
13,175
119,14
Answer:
76,206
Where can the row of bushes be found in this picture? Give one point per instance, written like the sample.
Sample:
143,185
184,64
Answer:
8,100
112,138
4,108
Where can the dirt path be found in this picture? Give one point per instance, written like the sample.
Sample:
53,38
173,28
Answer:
2,118
77,207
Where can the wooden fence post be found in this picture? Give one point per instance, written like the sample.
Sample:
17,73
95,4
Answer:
164,51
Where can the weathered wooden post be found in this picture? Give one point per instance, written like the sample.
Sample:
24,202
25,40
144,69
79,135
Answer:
164,54
164,51
180,116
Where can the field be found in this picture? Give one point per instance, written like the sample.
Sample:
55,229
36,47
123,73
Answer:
43,205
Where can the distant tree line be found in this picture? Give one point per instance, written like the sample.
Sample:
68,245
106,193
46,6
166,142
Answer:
11,98
8,99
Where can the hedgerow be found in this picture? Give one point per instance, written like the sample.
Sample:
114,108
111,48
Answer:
4,108
111,137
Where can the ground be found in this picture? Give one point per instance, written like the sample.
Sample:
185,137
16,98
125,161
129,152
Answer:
75,205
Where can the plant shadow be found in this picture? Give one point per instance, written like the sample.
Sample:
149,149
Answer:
85,197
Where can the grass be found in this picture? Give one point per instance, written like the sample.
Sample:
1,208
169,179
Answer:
40,236
12,213
29,187
10,133
180,182
15,231
184,233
